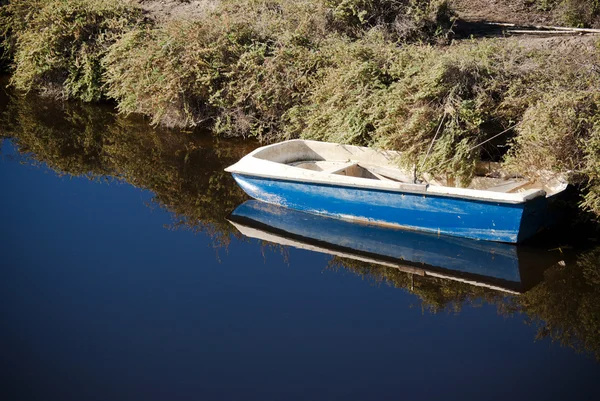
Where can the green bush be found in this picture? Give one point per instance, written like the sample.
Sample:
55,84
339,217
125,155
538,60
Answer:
581,13
14,18
264,85
401,19
58,45
561,133
173,72
243,66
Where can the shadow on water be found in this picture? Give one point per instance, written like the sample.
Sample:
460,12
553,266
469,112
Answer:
553,282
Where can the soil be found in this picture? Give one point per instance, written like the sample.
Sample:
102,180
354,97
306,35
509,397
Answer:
572,46
166,10
512,11
520,12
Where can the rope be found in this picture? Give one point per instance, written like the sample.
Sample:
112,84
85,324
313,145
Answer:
433,140
494,137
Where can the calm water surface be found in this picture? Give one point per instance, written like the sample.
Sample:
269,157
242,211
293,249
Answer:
121,279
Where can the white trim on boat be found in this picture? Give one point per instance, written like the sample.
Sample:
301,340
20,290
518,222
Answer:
277,162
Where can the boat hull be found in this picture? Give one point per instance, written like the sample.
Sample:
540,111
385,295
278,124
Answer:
468,218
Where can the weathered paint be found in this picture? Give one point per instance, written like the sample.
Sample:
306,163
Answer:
481,261
469,218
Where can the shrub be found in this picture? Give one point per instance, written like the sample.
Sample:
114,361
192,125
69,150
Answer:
441,107
14,18
277,71
561,133
580,13
273,18
264,85
401,19
243,66
591,197
172,73
58,45
399,98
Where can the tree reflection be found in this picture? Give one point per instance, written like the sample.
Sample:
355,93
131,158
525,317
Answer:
183,170
436,295
564,307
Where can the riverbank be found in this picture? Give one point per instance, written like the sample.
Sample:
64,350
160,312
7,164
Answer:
377,73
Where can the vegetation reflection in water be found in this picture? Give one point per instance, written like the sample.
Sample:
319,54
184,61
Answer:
185,172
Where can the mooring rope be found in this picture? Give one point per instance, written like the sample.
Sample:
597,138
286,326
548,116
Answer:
433,140
473,147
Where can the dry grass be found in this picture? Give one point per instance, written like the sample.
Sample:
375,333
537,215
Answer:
244,66
577,13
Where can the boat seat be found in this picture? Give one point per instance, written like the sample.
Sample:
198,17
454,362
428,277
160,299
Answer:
356,170
509,186
389,174
339,168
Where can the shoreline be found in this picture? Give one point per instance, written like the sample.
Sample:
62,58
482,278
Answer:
319,70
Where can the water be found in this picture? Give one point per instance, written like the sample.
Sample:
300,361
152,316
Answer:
122,279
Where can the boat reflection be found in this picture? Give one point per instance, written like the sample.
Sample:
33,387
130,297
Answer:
498,266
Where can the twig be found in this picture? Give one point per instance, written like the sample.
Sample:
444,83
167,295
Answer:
433,140
529,32
555,28
476,146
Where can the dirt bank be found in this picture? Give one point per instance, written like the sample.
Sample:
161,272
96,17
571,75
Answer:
512,11
578,46
166,10
520,12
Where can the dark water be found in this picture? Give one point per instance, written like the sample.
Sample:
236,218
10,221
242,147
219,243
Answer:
121,279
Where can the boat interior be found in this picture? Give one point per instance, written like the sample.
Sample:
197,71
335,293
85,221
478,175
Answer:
366,163
353,169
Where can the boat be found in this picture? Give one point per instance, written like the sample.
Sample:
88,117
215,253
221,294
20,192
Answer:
498,266
366,185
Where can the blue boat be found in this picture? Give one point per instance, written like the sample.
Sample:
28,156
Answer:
365,185
499,266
